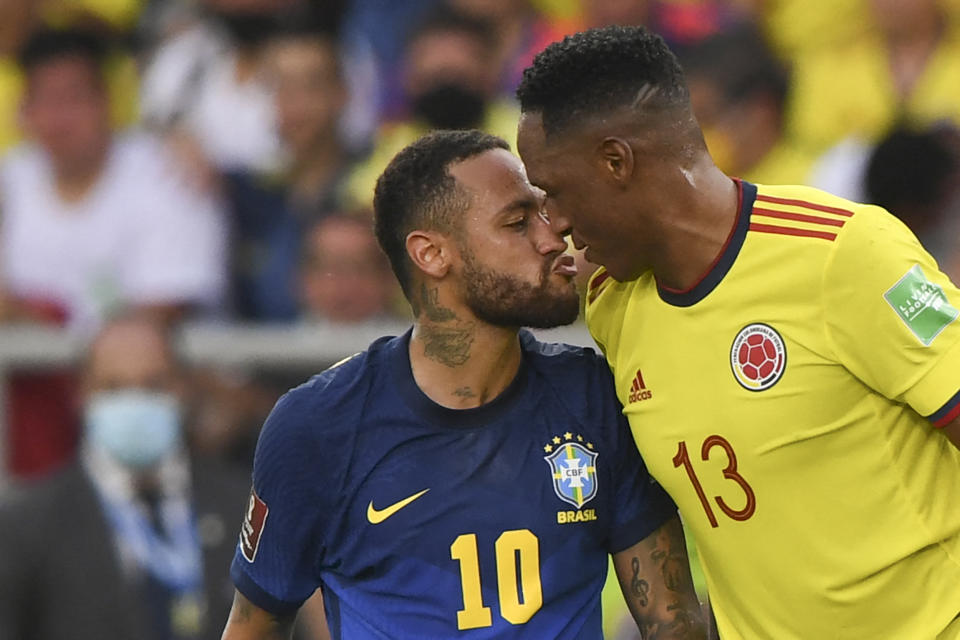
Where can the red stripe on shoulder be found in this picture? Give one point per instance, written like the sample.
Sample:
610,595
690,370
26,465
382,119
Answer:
805,205
799,217
598,280
790,231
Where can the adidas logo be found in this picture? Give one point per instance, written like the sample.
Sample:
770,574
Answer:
638,390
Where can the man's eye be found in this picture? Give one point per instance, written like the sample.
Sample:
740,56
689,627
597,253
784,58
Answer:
518,224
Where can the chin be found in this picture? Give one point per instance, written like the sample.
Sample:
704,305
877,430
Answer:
622,273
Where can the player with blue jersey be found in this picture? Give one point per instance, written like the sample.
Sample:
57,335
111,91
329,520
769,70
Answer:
463,479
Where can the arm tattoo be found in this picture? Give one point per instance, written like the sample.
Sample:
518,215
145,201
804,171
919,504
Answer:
663,589
671,556
465,392
244,612
683,623
639,587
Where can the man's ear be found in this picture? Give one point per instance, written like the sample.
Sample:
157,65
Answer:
616,157
430,252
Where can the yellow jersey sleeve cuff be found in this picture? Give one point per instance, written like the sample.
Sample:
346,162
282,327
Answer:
937,394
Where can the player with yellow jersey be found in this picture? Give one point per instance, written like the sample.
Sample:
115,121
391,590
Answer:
789,361
813,356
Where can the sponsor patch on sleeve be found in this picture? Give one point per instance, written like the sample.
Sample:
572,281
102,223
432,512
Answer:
921,304
253,524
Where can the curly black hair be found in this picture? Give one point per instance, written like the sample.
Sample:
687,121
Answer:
416,191
599,70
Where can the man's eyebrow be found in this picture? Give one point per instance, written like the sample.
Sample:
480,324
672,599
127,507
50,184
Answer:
523,202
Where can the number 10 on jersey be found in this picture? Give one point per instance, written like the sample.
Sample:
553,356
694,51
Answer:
519,546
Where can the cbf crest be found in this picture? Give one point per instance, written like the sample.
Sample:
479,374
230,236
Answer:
573,468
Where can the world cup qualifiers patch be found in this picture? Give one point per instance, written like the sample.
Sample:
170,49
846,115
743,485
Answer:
921,304
758,357
253,524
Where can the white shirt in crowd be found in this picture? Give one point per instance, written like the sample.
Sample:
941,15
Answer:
192,81
141,236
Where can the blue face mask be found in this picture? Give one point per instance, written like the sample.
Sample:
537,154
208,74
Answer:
136,427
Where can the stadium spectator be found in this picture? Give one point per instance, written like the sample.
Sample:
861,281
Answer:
519,31
778,349
915,175
19,18
341,278
374,35
738,90
449,85
95,220
92,221
903,68
344,277
797,27
269,212
205,87
133,540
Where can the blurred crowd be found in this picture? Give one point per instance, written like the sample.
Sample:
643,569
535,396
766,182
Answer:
216,158
172,160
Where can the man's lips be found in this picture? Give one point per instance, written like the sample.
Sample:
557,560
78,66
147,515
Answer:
565,265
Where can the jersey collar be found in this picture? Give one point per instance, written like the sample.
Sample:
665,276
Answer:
747,193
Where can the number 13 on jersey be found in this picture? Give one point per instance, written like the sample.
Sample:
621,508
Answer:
730,473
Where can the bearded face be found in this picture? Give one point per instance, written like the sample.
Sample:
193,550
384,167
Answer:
502,299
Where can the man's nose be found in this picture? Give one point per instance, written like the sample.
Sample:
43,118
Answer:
548,239
558,222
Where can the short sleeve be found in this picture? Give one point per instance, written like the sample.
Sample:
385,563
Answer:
276,562
891,314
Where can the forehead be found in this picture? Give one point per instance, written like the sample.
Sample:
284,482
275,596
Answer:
495,179
542,157
341,236
70,69
293,55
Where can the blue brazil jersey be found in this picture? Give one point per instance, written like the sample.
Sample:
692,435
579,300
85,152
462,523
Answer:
419,521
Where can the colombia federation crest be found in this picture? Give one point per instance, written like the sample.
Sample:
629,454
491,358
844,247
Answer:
573,468
758,357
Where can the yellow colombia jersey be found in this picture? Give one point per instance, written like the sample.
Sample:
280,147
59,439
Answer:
789,404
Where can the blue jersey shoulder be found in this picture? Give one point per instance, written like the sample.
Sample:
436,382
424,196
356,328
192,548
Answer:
321,414
578,375
548,355
342,388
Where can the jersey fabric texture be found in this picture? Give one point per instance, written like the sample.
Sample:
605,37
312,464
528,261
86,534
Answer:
420,521
789,403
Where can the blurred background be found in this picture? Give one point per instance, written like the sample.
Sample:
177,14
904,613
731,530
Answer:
185,185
